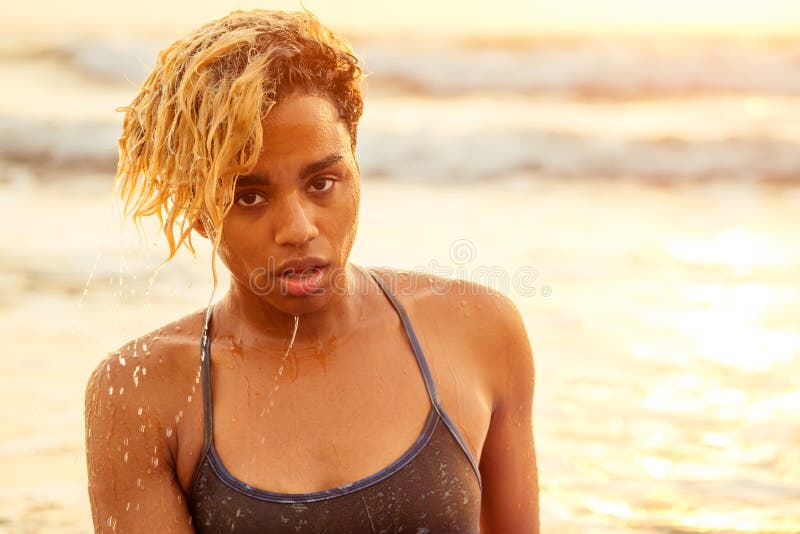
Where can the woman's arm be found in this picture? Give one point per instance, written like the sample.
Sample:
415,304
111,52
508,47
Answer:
132,482
510,501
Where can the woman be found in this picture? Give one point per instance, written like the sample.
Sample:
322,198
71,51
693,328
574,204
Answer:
406,401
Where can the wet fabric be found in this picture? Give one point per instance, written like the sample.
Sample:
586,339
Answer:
434,486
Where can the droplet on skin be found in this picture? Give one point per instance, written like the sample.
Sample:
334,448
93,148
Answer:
463,302
169,432
139,411
125,457
111,390
141,429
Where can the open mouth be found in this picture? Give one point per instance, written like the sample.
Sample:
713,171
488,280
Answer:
299,283
304,273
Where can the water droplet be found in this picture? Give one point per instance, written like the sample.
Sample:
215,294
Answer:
463,302
139,411
125,457
270,403
169,432
111,390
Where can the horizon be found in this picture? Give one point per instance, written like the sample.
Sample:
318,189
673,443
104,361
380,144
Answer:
511,19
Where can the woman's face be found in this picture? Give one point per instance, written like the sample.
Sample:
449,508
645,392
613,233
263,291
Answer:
300,201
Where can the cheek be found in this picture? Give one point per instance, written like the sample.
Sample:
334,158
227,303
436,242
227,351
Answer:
347,222
239,245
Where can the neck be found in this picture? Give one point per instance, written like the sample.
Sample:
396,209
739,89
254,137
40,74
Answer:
251,321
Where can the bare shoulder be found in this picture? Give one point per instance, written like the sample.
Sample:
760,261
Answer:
135,399
479,309
151,358
486,318
145,376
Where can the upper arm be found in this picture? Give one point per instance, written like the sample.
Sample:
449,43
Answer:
132,482
510,500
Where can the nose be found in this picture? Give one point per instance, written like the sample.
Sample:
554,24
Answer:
295,223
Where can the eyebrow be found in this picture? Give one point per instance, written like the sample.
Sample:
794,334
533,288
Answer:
307,171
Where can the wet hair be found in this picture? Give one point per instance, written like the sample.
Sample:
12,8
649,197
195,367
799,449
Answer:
195,125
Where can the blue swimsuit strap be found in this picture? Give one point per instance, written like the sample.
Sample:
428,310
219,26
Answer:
205,364
426,372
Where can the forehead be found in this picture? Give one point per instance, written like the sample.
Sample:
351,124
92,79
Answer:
299,128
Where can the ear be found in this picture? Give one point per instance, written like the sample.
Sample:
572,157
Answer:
200,228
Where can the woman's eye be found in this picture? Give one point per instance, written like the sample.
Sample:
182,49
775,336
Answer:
322,185
249,199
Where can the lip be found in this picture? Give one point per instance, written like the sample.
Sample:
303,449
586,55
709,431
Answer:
299,265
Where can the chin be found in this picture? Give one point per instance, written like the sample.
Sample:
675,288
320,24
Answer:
292,305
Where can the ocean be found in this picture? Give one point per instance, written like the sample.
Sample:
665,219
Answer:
648,187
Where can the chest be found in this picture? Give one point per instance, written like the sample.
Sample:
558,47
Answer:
320,420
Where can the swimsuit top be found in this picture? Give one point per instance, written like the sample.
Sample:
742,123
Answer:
434,486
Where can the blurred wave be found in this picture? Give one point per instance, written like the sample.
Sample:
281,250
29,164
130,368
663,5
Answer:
472,155
590,67
448,110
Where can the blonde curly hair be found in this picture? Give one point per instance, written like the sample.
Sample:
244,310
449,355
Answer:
195,124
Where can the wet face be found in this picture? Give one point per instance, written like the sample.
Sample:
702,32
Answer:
300,202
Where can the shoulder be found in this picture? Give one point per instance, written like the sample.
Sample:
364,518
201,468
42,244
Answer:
485,310
486,318
141,375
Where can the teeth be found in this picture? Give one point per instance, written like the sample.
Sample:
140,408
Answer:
300,274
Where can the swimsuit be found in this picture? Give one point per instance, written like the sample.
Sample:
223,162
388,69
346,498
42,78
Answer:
434,486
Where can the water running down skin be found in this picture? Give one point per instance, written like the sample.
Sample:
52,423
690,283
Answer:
280,369
342,417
